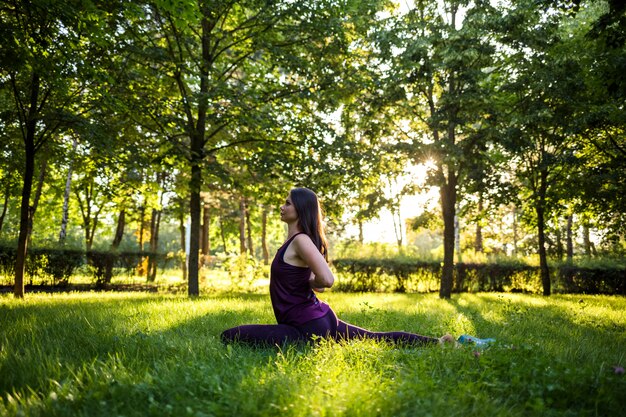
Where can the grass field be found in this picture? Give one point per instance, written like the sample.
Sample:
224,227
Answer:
135,354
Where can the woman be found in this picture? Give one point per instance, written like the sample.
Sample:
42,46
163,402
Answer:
298,270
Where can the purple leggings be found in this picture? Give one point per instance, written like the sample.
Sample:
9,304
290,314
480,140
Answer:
328,326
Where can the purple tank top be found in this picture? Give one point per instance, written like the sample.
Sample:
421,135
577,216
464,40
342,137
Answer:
293,300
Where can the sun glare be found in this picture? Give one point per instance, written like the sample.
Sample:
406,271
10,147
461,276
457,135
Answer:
382,229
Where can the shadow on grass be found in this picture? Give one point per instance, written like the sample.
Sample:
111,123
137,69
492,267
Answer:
44,340
559,326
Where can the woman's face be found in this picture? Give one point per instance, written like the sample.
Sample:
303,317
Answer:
288,212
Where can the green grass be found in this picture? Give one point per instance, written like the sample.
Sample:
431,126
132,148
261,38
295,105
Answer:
139,355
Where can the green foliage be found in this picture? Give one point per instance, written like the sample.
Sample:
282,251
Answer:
139,354
509,92
426,220
593,280
57,267
54,267
399,275
244,270
403,274
376,250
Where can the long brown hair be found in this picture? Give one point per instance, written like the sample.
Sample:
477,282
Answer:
310,217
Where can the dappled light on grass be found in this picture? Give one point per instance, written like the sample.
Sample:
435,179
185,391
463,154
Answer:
328,378
425,315
143,354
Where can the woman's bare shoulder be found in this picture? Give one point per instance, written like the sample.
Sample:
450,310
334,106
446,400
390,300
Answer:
302,237
303,242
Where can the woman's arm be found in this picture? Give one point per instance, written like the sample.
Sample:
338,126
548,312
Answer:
312,284
322,276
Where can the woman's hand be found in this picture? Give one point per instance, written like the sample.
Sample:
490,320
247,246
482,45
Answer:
322,276
313,285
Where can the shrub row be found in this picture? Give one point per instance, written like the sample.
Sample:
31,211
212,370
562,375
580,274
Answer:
57,266
409,275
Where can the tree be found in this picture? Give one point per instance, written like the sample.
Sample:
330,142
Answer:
66,193
227,64
438,84
601,185
543,82
49,77
10,155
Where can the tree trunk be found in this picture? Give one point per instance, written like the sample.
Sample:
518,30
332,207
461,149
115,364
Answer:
457,238
570,241
195,212
397,226
515,231
151,245
266,253
155,224
197,138
206,248
183,244
87,230
360,231
89,223
478,242
242,226
543,258
448,182
142,215
559,240
587,239
41,179
29,170
223,234
448,204
22,243
543,261
94,226
142,226
249,231
5,206
66,196
119,230
117,240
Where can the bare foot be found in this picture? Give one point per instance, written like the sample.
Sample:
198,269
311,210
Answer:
447,339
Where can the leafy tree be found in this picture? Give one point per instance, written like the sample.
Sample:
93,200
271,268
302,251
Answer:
544,83
10,154
49,57
226,67
599,35
440,63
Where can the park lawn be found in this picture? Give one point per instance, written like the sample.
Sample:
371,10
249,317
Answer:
137,354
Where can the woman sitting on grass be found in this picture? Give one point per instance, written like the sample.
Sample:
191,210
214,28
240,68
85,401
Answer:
298,270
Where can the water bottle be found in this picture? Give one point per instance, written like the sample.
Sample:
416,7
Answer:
465,339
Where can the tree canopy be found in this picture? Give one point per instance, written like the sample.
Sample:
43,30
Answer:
207,112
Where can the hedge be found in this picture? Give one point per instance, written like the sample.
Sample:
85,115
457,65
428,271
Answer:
57,266
409,275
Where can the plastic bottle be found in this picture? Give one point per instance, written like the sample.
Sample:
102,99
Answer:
465,339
